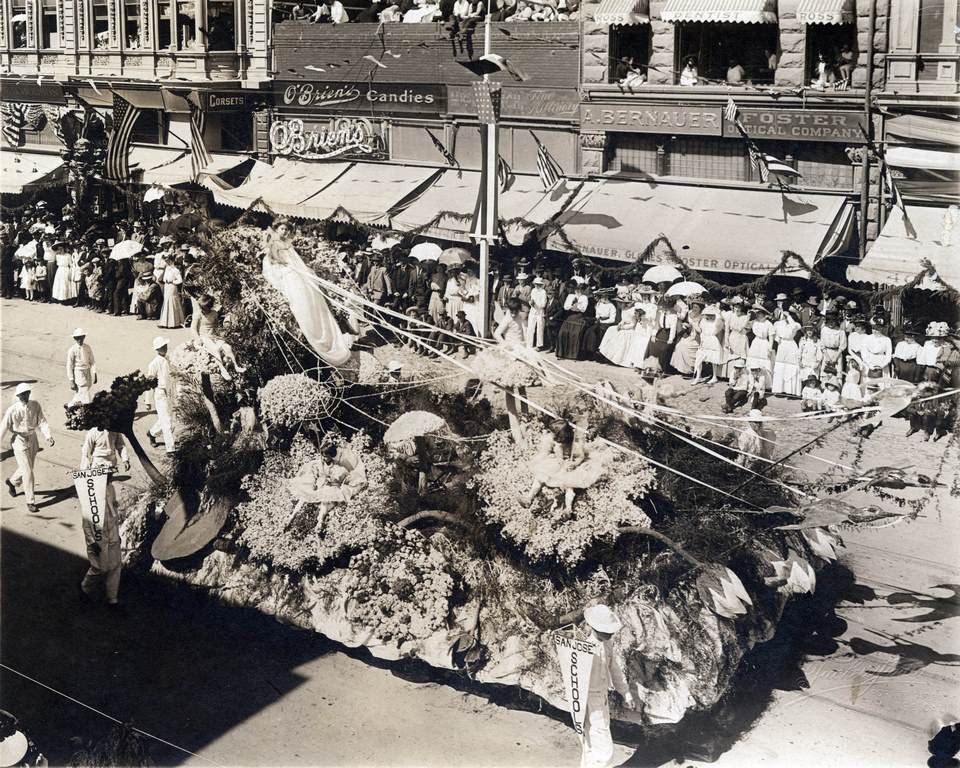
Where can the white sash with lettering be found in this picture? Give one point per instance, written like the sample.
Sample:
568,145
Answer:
576,659
91,485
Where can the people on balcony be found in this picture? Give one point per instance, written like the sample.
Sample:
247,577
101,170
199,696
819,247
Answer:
689,74
736,74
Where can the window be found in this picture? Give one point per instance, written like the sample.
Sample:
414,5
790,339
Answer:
186,25
221,25
831,52
629,53
19,24
49,33
163,24
930,26
718,53
149,128
635,153
236,131
131,24
101,24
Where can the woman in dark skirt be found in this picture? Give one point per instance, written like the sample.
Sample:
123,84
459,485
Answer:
664,336
570,338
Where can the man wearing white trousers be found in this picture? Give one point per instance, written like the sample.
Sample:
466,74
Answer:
537,318
21,421
81,368
163,395
102,448
605,673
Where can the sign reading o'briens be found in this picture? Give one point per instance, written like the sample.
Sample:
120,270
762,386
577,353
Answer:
361,97
339,137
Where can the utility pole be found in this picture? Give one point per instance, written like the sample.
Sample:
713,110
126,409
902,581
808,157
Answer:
868,130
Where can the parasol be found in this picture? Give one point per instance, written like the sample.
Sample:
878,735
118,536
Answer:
27,250
413,424
686,288
426,251
455,257
662,273
125,250
381,243
154,193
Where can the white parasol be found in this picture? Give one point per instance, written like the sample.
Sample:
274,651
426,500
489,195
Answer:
28,250
381,243
662,273
426,251
413,424
125,250
455,257
154,193
686,288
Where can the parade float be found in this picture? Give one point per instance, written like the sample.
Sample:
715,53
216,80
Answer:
405,511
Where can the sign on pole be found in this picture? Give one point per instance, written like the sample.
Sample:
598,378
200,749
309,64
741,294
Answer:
576,660
91,485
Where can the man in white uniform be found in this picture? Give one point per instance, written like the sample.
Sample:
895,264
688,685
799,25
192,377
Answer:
163,395
605,673
21,421
81,368
102,448
536,320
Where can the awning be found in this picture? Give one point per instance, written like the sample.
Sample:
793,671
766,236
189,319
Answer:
455,195
169,167
622,12
927,159
712,229
896,258
917,128
363,192
827,11
741,11
23,171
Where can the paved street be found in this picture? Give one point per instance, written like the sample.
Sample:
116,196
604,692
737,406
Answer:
239,689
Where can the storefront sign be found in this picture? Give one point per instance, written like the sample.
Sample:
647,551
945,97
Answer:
745,265
799,125
364,98
537,103
340,137
651,118
227,101
30,92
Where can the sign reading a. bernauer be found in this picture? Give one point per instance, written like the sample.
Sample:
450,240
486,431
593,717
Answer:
799,125
363,98
651,118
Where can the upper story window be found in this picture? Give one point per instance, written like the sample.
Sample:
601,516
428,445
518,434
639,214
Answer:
726,53
186,25
18,21
629,54
131,24
101,24
831,54
221,25
930,26
49,32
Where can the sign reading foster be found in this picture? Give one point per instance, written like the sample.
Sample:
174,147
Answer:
362,98
799,125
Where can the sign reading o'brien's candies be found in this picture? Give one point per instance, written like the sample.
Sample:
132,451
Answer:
362,98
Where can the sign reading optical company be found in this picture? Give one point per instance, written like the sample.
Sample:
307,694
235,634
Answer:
651,118
340,137
799,125
363,98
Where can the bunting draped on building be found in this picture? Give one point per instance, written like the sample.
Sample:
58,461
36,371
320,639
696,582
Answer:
199,154
125,117
548,168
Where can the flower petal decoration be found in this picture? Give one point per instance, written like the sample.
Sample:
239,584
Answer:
823,543
413,424
722,591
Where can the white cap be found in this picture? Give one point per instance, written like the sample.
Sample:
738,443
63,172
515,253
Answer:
394,365
79,332
538,281
23,387
522,276
160,342
755,415
602,619
13,748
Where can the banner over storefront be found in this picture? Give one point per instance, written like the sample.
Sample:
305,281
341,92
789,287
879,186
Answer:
361,98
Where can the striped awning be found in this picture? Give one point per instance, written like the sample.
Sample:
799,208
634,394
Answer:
27,171
739,11
827,11
623,12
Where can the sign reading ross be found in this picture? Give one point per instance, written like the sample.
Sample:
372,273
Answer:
799,125
546,103
576,659
651,118
340,137
365,98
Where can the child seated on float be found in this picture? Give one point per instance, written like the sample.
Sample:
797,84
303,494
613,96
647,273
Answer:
811,396
830,399
851,394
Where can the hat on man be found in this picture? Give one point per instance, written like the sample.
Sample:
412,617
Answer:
780,297
394,366
100,241
852,305
813,301
602,619
522,276
23,387
160,342
538,281
78,332
738,362
165,239
41,203
755,415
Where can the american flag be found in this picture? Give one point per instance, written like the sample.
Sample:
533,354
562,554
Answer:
895,197
14,120
125,116
199,155
550,172
505,177
730,111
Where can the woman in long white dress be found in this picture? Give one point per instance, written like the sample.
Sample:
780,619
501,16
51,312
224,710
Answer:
711,348
758,354
171,314
471,298
786,366
284,270
64,288
452,294
618,339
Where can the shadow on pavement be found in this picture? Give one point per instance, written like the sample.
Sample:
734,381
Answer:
178,666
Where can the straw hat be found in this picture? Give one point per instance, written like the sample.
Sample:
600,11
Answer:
78,332
937,330
160,342
780,297
602,619
538,281
738,362
760,308
755,415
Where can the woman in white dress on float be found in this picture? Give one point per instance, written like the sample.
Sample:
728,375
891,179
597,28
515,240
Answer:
786,366
711,347
761,329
